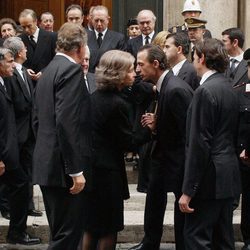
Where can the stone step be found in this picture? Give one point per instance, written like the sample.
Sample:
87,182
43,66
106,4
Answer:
126,246
133,218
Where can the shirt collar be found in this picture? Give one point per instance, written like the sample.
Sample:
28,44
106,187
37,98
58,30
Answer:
178,66
103,33
150,35
18,66
206,75
35,35
239,58
66,56
160,80
1,81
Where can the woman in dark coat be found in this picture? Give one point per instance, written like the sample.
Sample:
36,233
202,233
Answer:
112,136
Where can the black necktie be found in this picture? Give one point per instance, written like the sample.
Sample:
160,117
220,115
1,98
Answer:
147,40
192,54
32,42
86,82
233,67
99,39
25,80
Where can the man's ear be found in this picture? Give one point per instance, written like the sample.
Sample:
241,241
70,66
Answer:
235,42
156,64
202,59
179,49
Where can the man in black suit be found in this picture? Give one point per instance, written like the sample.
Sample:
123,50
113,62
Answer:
20,89
146,20
11,172
233,40
167,165
243,148
102,39
62,151
89,77
211,178
40,44
176,49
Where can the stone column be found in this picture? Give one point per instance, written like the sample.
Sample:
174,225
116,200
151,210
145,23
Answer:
244,21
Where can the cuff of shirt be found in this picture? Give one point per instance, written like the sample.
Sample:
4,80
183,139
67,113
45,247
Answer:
75,175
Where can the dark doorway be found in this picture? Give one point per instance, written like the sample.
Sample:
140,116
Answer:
126,9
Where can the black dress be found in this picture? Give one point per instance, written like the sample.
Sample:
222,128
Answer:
112,136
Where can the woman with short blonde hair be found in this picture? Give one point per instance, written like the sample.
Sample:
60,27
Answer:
112,135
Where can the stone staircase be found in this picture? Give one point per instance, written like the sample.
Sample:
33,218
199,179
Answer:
133,214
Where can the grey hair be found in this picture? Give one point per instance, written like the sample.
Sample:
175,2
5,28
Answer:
3,52
146,12
101,8
15,44
27,12
71,37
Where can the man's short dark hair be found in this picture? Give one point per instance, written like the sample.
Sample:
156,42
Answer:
181,39
235,33
155,53
215,54
74,6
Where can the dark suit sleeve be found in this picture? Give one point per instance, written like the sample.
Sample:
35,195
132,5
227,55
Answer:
122,45
68,96
123,132
2,130
200,130
179,100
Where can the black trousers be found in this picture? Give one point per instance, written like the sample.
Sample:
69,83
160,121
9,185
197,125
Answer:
65,216
245,205
26,154
4,198
17,182
210,226
155,207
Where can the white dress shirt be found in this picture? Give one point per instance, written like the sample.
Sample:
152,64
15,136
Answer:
206,75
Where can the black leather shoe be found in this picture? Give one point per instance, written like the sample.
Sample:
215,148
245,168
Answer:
144,246
5,215
23,239
34,212
246,247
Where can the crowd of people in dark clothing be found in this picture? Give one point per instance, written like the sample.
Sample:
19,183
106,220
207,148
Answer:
75,104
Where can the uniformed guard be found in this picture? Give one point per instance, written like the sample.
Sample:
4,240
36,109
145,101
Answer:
196,29
191,8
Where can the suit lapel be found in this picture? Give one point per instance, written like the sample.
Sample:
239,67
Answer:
162,92
182,73
22,85
106,40
92,41
40,47
240,71
139,42
5,92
